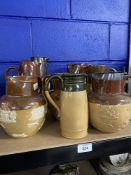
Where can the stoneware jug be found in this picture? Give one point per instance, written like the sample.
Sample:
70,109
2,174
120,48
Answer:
109,106
22,109
73,110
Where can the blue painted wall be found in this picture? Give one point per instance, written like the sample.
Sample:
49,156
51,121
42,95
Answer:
89,31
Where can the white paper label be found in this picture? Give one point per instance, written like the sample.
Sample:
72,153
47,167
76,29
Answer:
35,86
83,148
7,116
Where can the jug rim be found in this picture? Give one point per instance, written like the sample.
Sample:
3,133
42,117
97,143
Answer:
118,72
22,78
109,76
73,74
39,58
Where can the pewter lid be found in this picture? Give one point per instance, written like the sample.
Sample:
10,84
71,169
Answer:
39,59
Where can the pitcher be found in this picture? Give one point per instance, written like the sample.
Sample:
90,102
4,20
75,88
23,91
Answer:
73,111
109,106
22,109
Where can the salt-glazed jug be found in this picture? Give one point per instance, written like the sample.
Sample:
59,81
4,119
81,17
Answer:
73,110
109,105
22,109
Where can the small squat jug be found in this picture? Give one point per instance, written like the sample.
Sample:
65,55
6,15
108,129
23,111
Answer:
73,110
22,109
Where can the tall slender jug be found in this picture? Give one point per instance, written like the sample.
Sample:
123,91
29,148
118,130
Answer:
73,111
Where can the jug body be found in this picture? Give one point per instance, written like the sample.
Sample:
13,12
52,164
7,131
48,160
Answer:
109,107
73,111
22,116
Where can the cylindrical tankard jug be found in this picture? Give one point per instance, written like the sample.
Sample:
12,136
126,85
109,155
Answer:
73,110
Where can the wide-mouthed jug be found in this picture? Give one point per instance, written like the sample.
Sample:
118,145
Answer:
109,105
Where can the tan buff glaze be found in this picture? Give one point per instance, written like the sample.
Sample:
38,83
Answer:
109,118
74,114
23,123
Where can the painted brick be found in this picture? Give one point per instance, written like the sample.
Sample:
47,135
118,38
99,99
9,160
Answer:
119,42
101,10
15,40
35,8
62,41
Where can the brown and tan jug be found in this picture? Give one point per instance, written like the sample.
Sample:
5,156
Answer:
22,110
109,107
36,67
73,110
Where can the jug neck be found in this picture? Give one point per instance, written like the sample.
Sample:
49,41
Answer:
108,87
74,82
21,85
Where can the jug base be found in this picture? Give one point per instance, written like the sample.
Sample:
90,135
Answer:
74,135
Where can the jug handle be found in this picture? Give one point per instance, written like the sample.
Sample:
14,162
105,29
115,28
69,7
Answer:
47,81
11,68
111,69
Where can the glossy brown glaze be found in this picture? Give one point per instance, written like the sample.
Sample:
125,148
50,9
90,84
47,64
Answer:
78,68
88,68
99,69
29,68
108,86
21,85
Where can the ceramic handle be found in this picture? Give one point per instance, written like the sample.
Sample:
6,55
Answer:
47,89
112,69
11,68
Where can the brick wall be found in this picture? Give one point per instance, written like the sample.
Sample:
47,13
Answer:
88,31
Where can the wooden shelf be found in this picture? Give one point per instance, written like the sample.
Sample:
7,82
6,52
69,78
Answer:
49,137
49,147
